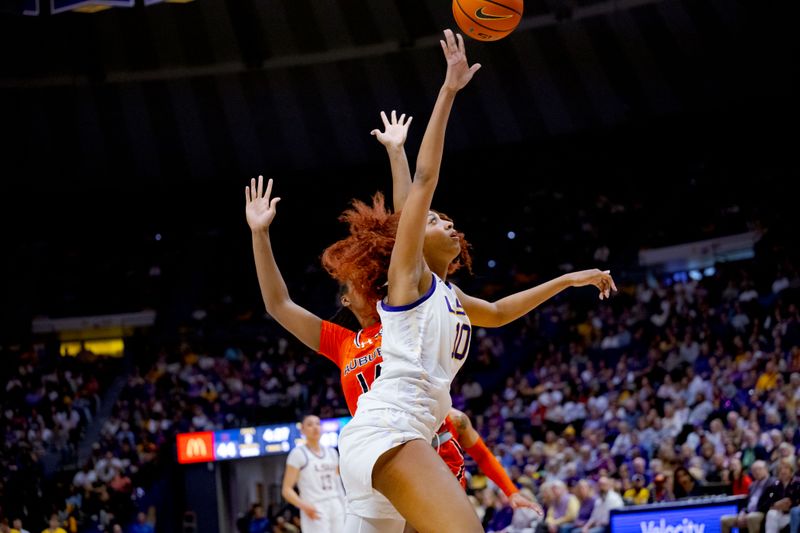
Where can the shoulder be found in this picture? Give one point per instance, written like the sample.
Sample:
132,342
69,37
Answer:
329,329
297,457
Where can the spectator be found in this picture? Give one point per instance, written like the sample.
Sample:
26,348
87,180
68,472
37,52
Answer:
779,497
607,500
686,485
750,518
660,493
562,507
16,526
503,514
739,479
259,522
141,525
586,497
638,494
55,525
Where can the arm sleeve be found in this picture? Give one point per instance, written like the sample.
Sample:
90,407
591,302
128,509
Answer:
490,466
331,338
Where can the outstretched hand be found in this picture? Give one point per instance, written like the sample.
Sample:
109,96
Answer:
260,210
394,132
517,501
599,278
458,70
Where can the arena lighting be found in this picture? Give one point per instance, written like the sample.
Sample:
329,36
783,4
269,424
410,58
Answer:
511,235
695,275
33,7
87,6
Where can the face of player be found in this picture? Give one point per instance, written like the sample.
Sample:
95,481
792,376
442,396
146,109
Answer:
441,239
355,302
311,428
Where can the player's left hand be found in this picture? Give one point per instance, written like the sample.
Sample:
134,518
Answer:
458,70
394,132
599,278
518,501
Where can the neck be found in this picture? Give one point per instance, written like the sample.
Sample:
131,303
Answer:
366,322
439,268
313,444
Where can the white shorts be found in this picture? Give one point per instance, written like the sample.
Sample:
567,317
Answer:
331,517
363,440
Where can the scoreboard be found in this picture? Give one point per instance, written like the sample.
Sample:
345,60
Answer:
228,444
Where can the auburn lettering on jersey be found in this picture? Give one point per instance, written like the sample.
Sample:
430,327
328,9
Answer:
357,354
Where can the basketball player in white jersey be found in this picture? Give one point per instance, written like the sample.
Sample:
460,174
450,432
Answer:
314,469
389,470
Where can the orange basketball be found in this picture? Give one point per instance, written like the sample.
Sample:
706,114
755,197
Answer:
487,20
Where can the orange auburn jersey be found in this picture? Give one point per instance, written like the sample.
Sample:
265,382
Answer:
358,356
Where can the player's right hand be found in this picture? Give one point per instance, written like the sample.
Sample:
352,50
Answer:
260,210
395,132
517,500
311,511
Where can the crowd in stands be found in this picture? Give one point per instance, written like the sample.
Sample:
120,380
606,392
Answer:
670,391
46,405
674,388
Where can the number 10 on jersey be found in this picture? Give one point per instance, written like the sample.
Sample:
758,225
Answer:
461,344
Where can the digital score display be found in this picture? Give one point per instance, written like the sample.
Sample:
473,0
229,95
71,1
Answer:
242,443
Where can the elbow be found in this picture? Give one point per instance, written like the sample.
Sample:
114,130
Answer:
276,306
285,493
424,175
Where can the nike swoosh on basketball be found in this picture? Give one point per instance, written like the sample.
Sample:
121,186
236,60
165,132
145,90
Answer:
486,16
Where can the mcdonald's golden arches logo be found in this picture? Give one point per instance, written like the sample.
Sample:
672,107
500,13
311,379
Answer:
195,447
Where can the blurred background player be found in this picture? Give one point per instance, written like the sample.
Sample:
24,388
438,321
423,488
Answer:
314,469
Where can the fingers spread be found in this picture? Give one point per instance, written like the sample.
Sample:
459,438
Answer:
384,119
269,189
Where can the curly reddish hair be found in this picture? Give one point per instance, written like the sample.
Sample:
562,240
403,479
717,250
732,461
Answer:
362,258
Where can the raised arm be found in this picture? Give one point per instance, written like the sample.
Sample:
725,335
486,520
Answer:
260,211
406,269
510,308
393,138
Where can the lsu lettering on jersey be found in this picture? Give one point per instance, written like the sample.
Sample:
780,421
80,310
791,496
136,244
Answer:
319,477
357,354
424,345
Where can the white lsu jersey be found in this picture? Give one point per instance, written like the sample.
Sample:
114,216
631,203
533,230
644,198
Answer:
424,345
319,477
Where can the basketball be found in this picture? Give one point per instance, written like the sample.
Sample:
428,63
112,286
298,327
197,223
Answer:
487,20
